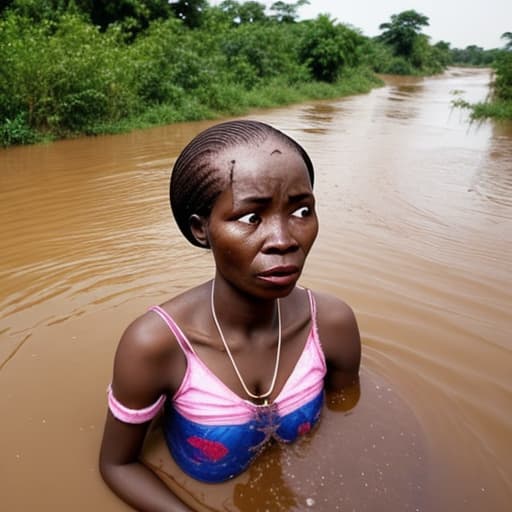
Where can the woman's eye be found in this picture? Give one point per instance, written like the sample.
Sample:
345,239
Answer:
303,211
250,218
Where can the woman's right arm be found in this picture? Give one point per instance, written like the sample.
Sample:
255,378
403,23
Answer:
141,363
121,469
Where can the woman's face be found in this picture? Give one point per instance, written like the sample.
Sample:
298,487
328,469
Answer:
264,223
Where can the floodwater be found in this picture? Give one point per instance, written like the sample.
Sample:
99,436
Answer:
415,206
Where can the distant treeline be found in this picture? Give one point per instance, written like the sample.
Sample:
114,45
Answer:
72,67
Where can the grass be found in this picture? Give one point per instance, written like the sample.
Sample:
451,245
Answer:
500,109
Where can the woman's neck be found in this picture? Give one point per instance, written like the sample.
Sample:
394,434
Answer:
242,312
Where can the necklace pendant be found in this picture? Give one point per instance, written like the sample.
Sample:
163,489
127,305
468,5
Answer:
265,402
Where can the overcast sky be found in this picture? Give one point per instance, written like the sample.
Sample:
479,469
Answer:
459,22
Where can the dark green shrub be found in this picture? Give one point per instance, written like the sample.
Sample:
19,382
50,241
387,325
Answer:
376,55
326,48
62,76
399,66
16,131
260,52
503,82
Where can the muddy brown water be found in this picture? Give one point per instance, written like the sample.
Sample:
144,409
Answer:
415,205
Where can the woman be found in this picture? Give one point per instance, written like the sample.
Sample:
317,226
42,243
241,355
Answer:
237,360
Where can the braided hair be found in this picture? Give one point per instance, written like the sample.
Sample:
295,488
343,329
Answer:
197,180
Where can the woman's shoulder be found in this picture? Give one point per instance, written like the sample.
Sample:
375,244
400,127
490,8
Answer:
150,334
338,332
149,359
333,312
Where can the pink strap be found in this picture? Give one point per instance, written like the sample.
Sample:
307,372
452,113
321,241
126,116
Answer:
312,305
134,416
173,326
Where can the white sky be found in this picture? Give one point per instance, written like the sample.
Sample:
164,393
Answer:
459,22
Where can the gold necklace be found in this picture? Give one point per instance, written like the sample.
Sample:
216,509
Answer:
226,346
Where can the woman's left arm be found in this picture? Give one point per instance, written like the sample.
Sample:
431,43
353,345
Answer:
341,342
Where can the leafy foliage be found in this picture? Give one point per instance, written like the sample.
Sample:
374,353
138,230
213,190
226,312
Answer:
70,67
62,76
499,105
243,13
508,40
326,48
503,82
16,131
473,55
286,13
411,52
256,54
402,32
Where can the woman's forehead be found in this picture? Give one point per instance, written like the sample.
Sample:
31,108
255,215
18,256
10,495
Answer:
262,171
273,156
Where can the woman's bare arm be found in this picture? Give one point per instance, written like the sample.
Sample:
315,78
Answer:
339,334
121,469
140,367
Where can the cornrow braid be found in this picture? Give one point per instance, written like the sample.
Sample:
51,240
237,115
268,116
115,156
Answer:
196,179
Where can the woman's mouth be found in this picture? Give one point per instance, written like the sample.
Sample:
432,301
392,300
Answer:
281,275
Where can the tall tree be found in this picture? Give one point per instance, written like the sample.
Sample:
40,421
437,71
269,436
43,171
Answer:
402,31
243,12
287,13
508,40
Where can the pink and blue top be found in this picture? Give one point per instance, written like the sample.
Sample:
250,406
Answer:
212,433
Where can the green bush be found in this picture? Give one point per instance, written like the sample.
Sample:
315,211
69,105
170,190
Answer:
503,82
258,53
499,105
327,47
399,66
17,131
496,109
61,76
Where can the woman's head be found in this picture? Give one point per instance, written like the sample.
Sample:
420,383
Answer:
199,176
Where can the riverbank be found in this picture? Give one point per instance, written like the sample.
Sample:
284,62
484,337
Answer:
66,78
498,104
497,109
236,102
241,101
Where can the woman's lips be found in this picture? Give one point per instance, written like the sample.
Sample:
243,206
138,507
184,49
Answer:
281,276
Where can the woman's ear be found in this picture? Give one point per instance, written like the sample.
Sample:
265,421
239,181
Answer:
199,229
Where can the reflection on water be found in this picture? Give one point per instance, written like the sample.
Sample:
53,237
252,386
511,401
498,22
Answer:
416,232
318,117
405,109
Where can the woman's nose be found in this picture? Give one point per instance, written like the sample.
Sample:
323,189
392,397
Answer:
279,237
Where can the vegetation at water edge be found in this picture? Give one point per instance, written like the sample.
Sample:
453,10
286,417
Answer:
499,104
85,67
